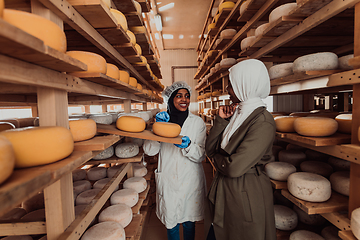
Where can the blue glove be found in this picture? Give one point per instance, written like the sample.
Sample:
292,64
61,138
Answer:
185,142
162,117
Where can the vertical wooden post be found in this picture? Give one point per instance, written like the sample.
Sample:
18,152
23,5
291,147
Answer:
308,102
34,111
87,108
346,102
127,105
144,106
104,108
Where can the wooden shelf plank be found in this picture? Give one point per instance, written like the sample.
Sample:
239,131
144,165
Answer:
222,16
126,49
114,36
97,143
345,78
132,229
251,10
222,43
125,6
336,203
347,235
142,197
22,228
335,139
146,134
115,159
282,235
307,7
150,172
134,19
340,220
278,184
351,150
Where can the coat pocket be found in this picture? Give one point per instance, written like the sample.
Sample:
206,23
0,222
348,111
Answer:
246,206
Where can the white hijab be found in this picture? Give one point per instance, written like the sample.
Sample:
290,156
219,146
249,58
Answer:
251,83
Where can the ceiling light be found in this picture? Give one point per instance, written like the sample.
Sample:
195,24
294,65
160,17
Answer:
168,36
166,7
158,22
181,36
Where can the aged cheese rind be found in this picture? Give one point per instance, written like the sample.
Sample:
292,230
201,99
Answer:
126,196
295,157
139,184
130,124
95,62
96,173
305,234
321,168
101,118
105,231
285,123
107,153
315,126
285,218
7,159
279,170
126,150
280,11
309,219
81,186
140,171
281,70
120,213
340,182
87,196
316,62
78,174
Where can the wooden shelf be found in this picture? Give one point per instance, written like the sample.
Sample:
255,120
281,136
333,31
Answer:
222,16
278,184
347,235
142,197
97,143
115,36
115,159
132,229
335,139
338,219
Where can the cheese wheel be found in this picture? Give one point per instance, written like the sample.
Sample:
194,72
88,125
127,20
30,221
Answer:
321,168
2,6
105,231
78,174
309,186
328,114
6,126
105,154
138,7
315,62
295,147
124,76
87,196
120,213
81,186
305,234
82,129
212,70
244,6
95,62
246,42
344,62
96,173
275,150
259,31
120,18
279,171
355,222
131,124
133,82
315,126
285,123
316,156
227,33
7,159
339,164
140,171
100,184
112,71
344,122
211,26
340,182
330,233
285,218
138,86
280,70
280,11
216,93
166,129
294,157
128,196
35,216
131,36
126,150
34,203
34,146
138,49
14,214
139,184
46,30
111,171
102,118
226,5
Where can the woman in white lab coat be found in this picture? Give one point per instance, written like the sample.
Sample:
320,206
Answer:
180,178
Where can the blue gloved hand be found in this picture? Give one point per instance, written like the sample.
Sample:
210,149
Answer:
185,142
162,117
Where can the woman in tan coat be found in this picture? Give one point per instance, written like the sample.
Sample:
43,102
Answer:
240,200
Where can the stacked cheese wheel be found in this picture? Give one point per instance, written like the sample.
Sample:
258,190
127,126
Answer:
315,126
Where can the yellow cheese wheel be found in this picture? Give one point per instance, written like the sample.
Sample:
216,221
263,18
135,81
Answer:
130,124
166,129
211,26
107,3
35,146
216,93
315,126
2,4
7,159
138,7
112,71
120,18
285,123
124,76
82,129
49,32
216,18
95,63
138,86
344,121
226,5
138,49
131,36
133,82
143,59
6,125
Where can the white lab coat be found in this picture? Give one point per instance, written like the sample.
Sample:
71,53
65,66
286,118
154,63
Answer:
180,178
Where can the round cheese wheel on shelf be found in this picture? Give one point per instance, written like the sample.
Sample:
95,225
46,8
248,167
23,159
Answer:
321,168
81,186
279,171
140,171
133,82
100,184
34,146
46,30
344,62
120,213
131,36
82,129
131,124
7,159
138,7
138,86
14,214
107,153
285,123
120,18
109,230
246,42
126,150
295,147
281,11
340,182
96,173
138,49
227,33
95,62
226,5
6,126
102,118
111,171
355,222
285,218
275,150
211,26
35,216
339,164
244,6
315,62
294,157
2,6
344,121
315,126
166,129
330,233
78,174
139,184
112,71
316,156
87,196
309,186
259,31
226,62
128,196
305,234
280,70
124,76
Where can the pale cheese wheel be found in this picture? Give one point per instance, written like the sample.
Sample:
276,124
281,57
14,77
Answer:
133,82
102,118
105,231
81,186
305,235
246,42
126,196
120,18
285,123
355,222
228,33
131,124
96,173
78,174
34,146
330,233
144,115
294,157
111,171
105,154
139,184
87,196
120,213
275,150
285,218
212,70
126,150
340,182
279,171
226,62
138,7
315,126
112,71
124,76
14,214
244,6
339,164
100,184
309,219
138,49
309,186
259,31
6,126
226,5
281,11
95,62
7,159
281,70
344,62
140,171
321,168
315,62
46,30
131,36
217,66
18,237
166,129
344,122
35,216
82,129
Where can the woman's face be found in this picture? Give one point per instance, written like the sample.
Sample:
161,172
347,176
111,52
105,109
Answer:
182,100
233,97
